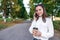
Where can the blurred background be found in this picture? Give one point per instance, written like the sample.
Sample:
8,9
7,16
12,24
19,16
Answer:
17,11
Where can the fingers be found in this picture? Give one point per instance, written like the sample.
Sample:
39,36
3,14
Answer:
36,33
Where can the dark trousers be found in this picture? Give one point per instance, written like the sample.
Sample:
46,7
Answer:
36,39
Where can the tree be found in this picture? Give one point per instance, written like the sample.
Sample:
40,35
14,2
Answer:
50,6
4,7
57,8
22,12
31,8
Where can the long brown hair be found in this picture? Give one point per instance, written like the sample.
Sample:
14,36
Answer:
44,13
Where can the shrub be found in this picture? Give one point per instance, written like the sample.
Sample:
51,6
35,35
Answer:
2,26
9,19
56,25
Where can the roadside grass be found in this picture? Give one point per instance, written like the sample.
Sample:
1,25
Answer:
57,24
9,22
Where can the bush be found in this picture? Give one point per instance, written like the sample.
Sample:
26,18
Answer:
2,26
0,16
1,19
9,19
56,25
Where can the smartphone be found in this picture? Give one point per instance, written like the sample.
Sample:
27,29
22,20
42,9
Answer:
35,28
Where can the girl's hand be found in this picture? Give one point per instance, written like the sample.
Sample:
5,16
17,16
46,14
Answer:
38,33
34,32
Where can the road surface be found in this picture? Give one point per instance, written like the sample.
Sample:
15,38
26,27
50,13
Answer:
19,32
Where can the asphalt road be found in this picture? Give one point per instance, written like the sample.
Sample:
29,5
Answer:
19,32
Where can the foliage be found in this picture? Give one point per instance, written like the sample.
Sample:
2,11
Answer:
1,19
31,8
18,9
49,5
56,25
2,26
22,12
9,19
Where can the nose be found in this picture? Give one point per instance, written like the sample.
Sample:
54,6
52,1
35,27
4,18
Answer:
38,11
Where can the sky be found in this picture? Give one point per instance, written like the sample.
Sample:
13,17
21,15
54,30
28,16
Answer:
27,7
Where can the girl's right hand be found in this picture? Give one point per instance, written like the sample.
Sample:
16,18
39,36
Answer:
34,32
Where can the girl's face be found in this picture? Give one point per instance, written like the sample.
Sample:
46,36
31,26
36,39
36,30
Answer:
39,10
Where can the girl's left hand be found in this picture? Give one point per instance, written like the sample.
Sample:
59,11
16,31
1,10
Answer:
38,33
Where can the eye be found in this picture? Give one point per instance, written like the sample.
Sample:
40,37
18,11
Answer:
39,9
36,10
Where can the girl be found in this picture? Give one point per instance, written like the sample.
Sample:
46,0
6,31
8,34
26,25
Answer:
42,26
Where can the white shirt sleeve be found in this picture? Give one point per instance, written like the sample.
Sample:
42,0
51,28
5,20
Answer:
31,27
50,32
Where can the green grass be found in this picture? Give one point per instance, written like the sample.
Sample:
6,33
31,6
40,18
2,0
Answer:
9,19
9,22
56,25
2,26
1,19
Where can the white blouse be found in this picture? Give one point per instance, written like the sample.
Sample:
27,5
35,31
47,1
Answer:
46,29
